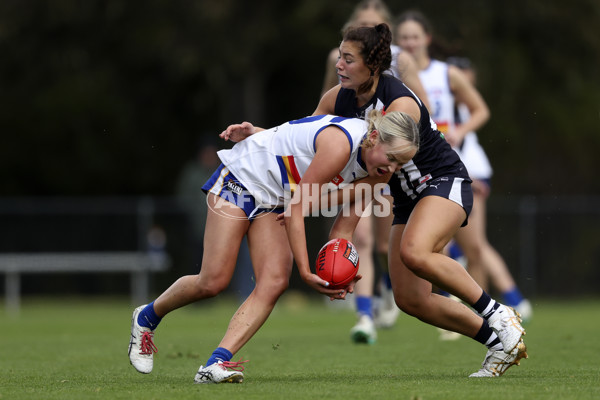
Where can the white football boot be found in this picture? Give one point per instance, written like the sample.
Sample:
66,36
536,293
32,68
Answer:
141,345
525,310
497,362
364,330
448,336
221,372
388,312
506,322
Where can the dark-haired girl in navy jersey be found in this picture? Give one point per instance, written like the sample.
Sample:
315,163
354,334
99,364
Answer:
432,200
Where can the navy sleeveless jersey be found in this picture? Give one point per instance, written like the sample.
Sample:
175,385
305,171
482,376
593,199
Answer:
435,157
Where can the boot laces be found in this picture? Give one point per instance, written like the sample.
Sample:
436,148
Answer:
234,365
147,344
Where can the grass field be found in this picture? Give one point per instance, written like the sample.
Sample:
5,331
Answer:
76,349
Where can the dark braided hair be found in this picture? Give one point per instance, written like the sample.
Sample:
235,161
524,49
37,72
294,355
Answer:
374,46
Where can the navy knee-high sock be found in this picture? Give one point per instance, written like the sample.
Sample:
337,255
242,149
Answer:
488,337
485,306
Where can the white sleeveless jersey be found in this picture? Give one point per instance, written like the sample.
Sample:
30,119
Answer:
273,162
471,153
436,83
394,65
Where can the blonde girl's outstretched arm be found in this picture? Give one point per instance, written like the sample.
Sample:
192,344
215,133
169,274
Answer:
332,154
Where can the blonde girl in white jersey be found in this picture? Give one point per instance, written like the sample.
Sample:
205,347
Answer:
244,196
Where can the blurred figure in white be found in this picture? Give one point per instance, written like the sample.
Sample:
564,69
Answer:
459,111
371,236
472,154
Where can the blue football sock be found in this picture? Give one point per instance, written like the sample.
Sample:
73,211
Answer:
220,354
512,297
455,251
386,280
364,305
148,318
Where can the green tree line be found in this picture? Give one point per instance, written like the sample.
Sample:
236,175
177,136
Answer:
110,97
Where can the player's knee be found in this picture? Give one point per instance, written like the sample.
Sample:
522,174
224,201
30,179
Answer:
382,247
362,242
473,252
408,304
273,287
205,288
414,260
280,284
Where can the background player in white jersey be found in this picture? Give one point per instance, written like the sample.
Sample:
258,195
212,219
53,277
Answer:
371,235
245,195
448,87
473,155
445,84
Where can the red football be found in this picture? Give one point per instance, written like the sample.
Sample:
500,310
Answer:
337,263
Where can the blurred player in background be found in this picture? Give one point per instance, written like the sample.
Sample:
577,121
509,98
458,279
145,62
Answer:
495,271
371,236
245,195
459,110
190,196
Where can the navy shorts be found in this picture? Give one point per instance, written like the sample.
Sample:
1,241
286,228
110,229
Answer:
456,188
225,185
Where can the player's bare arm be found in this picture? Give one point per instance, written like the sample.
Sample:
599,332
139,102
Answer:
466,93
332,152
407,105
327,103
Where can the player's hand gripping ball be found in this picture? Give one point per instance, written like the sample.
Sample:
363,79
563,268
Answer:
337,263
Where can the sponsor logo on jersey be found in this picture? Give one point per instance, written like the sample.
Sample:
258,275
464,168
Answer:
424,179
234,188
337,180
